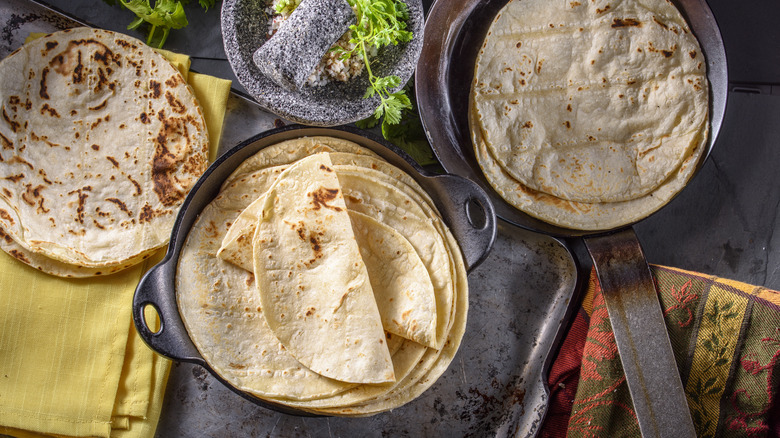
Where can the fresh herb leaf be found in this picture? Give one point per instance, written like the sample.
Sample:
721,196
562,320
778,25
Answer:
286,7
407,133
380,23
160,18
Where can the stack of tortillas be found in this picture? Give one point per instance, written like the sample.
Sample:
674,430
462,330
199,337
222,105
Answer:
589,115
102,138
323,278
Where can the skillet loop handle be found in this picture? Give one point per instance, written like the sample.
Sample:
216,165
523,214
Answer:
468,212
156,290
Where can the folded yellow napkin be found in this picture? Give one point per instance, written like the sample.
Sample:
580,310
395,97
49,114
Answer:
71,362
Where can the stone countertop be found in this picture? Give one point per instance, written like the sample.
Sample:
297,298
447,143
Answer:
723,224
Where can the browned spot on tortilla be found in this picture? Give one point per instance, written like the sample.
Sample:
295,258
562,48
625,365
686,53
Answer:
601,11
667,53
174,81
50,45
19,255
125,44
120,204
47,109
660,23
6,216
7,144
100,106
310,311
147,214
113,161
95,147
155,87
20,160
137,186
170,168
5,236
325,168
301,230
527,125
13,124
175,103
322,196
43,175
15,178
567,124
44,91
236,366
82,198
625,22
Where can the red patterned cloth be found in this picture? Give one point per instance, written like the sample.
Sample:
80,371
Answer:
726,338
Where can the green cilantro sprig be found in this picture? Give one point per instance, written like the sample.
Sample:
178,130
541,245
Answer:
380,23
163,16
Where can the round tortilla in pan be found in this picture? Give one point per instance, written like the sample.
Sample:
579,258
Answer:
589,115
223,312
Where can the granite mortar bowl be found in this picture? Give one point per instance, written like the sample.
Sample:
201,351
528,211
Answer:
244,30
464,206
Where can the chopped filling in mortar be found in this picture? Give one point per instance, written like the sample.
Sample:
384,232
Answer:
331,67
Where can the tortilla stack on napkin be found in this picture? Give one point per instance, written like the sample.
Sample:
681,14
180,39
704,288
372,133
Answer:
71,362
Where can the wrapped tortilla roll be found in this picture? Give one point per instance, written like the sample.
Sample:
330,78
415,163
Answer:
292,54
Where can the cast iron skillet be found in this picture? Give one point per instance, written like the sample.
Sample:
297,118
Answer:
465,208
454,33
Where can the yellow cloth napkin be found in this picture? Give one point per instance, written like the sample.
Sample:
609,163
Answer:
71,362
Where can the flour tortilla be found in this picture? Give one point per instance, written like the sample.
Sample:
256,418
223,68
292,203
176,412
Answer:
590,102
429,368
313,284
289,151
399,279
58,268
580,215
402,287
102,138
222,312
416,367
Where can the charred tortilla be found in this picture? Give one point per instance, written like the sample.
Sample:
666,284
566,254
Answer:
102,139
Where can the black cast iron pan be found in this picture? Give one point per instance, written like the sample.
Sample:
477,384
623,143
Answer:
464,206
454,33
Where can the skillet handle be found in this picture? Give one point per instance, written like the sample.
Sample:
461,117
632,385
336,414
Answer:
156,289
469,214
641,336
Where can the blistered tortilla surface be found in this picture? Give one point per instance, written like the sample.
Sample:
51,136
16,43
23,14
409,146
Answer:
102,138
589,102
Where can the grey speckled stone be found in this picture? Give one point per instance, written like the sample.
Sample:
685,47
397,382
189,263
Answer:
244,26
293,52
